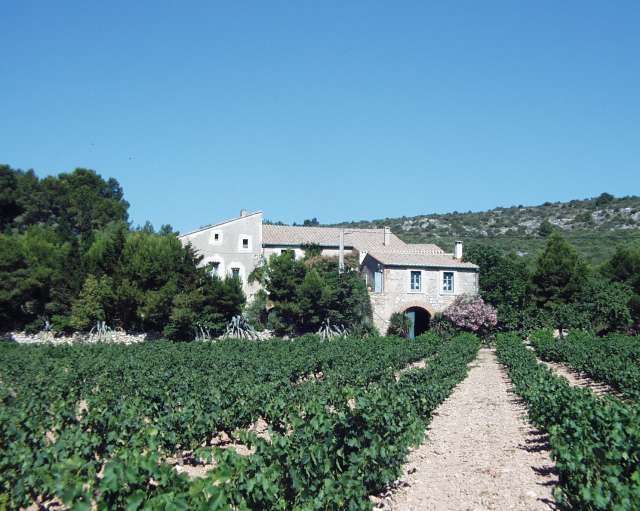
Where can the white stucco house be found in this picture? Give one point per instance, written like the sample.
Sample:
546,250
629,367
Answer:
417,279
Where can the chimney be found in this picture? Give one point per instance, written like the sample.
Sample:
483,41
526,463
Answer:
387,236
457,250
243,212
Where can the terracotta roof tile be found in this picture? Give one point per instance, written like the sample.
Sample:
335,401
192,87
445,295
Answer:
417,258
361,239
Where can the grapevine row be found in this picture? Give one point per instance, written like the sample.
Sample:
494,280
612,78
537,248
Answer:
614,360
93,425
595,442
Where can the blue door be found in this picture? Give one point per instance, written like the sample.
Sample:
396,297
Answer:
412,326
377,282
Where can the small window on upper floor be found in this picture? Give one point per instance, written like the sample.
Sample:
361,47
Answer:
216,238
416,280
447,281
245,243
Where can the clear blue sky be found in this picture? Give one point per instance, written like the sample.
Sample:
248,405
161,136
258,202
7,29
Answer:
339,110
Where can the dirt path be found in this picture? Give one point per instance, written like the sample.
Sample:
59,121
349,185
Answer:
480,453
420,364
577,379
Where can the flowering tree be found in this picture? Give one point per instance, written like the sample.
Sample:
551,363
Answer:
471,313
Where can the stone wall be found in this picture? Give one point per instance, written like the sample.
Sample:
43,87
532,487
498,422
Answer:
397,295
114,336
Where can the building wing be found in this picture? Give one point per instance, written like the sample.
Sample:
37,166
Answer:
362,240
416,259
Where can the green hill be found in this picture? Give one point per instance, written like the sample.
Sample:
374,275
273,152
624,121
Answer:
595,226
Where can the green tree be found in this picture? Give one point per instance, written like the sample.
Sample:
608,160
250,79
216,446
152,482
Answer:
104,255
93,304
74,204
9,207
48,257
306,292
184,316
14,284
564,316
559,275
399,324
62,229
256,311
546,228
624,268
605,304
283,276
604,198
504,283
311,297
209,306
83,201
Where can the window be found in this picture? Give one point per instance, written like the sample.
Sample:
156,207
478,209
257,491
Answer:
416,280
235,273
447,281
287,251
244,242
216,237
215,268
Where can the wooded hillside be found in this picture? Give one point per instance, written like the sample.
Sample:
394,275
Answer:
594,226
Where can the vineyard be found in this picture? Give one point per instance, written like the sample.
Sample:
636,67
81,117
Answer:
99,426
614,360
303,424
595,441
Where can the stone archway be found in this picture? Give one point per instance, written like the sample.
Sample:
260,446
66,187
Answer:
420,316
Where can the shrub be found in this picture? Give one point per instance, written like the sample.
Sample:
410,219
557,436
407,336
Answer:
93,303
399,324
470,313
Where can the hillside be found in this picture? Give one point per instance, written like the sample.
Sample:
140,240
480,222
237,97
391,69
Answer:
595,226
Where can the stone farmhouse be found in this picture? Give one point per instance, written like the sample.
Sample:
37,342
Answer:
417,279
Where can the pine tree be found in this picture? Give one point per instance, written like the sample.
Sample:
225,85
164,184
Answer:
559,274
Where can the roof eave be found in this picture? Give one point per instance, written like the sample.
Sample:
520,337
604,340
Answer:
464,266
211,226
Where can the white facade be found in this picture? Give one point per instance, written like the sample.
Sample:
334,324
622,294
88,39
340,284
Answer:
233,247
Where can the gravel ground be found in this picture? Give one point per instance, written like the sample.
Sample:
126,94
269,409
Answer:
480,454
578,379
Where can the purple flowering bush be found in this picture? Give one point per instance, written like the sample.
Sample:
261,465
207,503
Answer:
472,314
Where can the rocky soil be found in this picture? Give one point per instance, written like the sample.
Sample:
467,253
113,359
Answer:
578,379
115,336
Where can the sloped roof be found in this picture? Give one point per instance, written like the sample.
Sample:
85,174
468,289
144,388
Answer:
418,258
217,224
361,239
426,248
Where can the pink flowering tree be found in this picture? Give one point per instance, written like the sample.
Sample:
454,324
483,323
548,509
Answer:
472,314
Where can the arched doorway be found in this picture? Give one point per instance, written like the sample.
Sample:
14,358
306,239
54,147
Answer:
419,319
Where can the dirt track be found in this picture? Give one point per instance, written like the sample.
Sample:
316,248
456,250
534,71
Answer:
480,453
578,379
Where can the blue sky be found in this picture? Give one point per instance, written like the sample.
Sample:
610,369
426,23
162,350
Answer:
338,110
